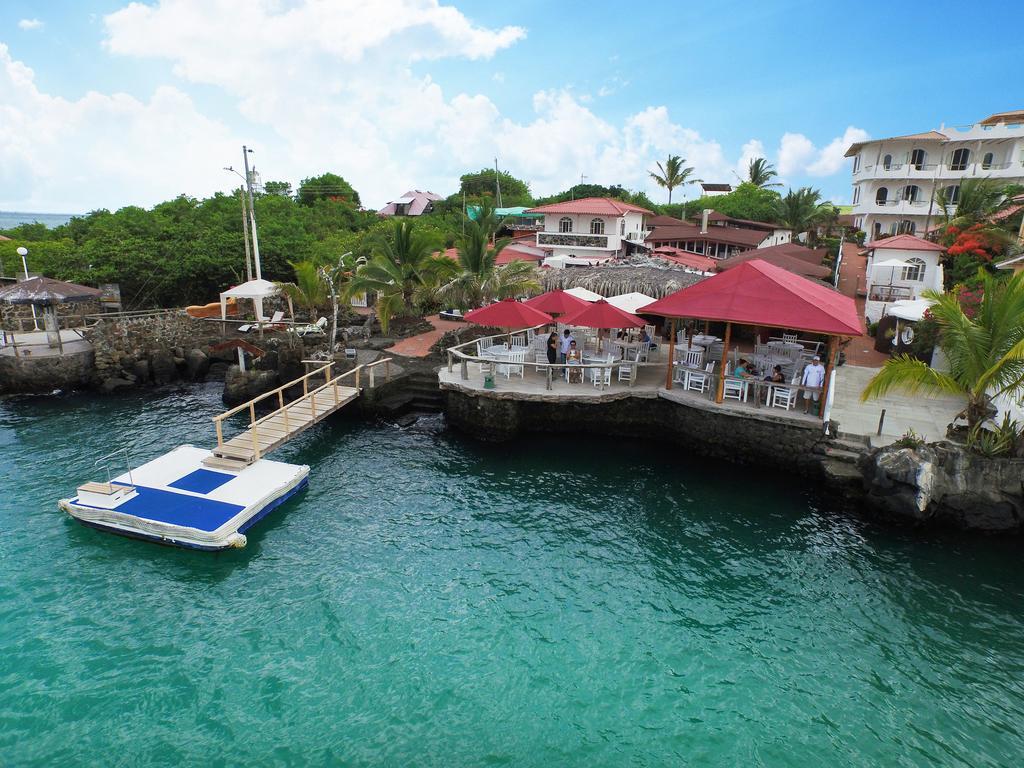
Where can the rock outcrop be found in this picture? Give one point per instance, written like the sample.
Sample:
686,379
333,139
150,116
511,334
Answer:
945,484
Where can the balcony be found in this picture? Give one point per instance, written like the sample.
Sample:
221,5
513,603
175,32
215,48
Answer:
888,293
571,240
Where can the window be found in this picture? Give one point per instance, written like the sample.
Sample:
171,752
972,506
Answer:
856,163
893,227
881,196
959,160
911,193
887,162
597,226
914,271
622,226
917,158
986,161
906,227
952,194
856,195
565,224
878,229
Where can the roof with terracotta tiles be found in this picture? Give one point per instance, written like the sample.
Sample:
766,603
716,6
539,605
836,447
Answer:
597,206
905,243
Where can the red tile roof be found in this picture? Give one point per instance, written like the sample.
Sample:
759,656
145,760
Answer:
684,258
598,206
779,256
1014,116
519,252
729,235
905,243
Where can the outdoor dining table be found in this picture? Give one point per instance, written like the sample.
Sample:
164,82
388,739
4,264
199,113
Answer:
704,340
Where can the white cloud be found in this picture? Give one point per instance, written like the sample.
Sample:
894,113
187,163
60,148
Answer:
29,24
798,155
753,148
61,155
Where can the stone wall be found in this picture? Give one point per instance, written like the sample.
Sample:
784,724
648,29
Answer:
18,317
46,374
706,432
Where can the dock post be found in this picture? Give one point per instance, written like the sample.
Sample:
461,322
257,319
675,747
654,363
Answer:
255,443
451,362
465,369
548,370
312,404
387,369
220,433
371,377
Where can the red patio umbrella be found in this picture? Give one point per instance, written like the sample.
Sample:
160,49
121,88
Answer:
601,314
557,302
508,313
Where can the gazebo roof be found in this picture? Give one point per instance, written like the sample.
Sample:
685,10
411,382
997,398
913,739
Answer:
46,291
759,293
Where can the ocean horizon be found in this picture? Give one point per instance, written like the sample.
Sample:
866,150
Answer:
10,219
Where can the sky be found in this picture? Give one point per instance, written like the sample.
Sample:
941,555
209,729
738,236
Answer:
108,103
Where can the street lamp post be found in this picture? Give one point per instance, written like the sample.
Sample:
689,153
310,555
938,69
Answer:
252,213
23,252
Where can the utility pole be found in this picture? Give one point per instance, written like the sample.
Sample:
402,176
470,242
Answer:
252,214
245,231
497,182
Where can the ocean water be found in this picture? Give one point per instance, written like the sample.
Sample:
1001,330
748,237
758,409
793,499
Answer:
432,601
9,219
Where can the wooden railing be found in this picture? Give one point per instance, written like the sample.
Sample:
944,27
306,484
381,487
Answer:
282,407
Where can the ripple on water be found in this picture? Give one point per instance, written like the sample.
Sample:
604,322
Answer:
430,600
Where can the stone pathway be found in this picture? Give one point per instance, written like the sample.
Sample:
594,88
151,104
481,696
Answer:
419,345
853,278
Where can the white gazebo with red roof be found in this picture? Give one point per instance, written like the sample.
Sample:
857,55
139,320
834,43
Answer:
900,268
593,228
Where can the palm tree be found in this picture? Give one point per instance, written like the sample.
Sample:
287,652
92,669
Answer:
477,279
800,211
398,271
985,350
977,200
672,174
309,290
760,173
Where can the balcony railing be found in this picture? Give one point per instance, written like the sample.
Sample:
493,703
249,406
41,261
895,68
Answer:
888,293
572,240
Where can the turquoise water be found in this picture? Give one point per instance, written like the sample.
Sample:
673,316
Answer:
433,602
10,219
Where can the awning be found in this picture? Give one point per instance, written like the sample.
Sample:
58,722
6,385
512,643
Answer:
630,302
759,293
890,263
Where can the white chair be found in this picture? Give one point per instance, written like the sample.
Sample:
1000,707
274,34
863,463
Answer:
519,340
650,330
540,356
643,353
627,370
680,374
789,337
700,381
512,365
694,358
784,397
602,376
735,389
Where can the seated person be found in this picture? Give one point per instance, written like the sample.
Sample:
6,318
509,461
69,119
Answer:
776,377
646,338
742,370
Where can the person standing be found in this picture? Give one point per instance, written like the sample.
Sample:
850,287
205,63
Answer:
814,376
567,341
552,348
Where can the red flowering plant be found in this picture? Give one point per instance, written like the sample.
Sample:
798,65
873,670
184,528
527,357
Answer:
971,241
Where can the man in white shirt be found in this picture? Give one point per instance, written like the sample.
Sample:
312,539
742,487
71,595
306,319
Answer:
814,376
567,341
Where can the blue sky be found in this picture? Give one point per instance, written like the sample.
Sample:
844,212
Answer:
130,105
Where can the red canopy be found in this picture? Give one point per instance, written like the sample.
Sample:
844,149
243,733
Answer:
508,313
557,302
601,314
759,293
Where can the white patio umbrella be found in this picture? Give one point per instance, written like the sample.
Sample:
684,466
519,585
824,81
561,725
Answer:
631,302
583,293
909,309
257,290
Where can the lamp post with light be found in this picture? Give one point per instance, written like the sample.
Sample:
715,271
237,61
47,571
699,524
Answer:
23,252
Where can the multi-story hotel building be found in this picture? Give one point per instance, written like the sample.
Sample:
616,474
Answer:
895,180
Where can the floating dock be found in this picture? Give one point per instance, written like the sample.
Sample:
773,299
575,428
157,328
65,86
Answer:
206,499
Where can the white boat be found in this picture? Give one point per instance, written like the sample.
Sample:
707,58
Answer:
175,500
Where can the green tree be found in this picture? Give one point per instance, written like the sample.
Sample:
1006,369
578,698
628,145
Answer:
673,174
480,185
308,290
400,271
283,188
760,173
327,186
984,347
746,201
801,210
478,279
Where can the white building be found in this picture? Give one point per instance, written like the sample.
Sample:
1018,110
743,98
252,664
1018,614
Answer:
900,268
594,229
895,179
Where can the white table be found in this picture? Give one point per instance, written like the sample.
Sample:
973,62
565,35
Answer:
704,341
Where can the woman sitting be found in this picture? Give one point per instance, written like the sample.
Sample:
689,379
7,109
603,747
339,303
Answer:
573,358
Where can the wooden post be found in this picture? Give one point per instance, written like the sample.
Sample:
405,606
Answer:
255,443
280,398
451,361
358,369
305,384
371,377
252,412
220,433
387,369
720,390
671,351
465,368
312,404
548,370
828,372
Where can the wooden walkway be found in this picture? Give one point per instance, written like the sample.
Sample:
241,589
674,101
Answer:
273,430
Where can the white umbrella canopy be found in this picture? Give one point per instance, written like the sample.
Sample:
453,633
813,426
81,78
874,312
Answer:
257,290
583,293
909,309
890,263
631,302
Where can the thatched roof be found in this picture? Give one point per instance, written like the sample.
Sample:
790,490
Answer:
613,279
